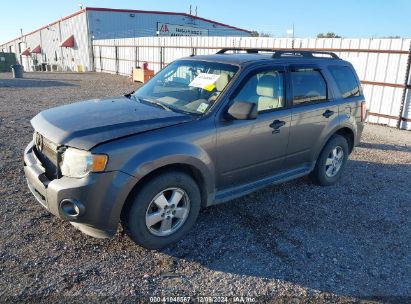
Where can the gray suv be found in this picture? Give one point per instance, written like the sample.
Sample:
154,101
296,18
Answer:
202,131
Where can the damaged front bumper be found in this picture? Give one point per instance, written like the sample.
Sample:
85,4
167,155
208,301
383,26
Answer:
97,198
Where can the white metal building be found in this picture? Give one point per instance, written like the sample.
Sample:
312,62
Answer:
66,44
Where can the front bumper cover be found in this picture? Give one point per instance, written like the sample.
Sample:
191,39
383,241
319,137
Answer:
102,194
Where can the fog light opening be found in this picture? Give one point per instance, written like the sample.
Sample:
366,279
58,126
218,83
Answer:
71,208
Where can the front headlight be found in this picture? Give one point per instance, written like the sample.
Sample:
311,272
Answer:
78,163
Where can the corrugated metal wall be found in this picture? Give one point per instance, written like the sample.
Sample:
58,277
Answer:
50,39
102,23
81,53
117,24
380,63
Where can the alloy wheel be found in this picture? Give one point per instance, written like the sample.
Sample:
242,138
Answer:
167,211
334,161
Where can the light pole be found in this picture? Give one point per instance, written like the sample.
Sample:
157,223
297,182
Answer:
291,34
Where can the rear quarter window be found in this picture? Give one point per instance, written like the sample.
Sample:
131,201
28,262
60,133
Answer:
308,86
346,81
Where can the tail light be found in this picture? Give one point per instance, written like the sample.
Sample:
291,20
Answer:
363,111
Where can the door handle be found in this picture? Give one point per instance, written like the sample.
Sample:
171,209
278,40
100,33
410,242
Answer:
276,125
328,113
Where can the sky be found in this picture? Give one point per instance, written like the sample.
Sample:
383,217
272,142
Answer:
347,18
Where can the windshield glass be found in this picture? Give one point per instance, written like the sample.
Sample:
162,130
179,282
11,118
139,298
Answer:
187,85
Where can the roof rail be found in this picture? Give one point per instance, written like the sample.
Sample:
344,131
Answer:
248,50
305,54
280,53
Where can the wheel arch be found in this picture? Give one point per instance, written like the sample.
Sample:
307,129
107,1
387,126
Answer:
348,134
186,168
345,131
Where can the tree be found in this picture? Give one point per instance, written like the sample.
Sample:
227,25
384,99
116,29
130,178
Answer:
259,34
328,35
254,34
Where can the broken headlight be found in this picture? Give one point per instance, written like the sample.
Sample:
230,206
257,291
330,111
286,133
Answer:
78,163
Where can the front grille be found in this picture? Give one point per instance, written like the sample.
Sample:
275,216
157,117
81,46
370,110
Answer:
47,153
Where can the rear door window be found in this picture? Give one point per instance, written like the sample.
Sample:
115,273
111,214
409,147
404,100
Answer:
346,81
308,85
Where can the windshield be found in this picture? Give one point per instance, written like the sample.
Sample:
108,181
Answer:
187,85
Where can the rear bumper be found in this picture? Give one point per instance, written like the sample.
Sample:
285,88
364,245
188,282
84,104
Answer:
101,194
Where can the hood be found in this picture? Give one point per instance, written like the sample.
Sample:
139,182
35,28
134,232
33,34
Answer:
88,123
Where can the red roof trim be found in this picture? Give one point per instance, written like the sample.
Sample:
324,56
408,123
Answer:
102,9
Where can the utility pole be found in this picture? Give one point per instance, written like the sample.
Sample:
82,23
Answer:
20,45
291,34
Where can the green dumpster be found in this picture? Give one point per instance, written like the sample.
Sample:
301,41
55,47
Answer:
6,61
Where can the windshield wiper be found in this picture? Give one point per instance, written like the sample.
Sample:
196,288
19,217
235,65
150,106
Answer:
146,100
157,103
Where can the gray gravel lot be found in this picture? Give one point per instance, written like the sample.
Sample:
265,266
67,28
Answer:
295,241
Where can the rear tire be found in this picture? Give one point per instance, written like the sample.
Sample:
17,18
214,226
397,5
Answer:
163,211
331,163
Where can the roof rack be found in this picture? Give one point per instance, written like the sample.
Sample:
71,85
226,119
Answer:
305,54
280,53
248,50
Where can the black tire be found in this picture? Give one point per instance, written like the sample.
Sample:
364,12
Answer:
319,174
134,216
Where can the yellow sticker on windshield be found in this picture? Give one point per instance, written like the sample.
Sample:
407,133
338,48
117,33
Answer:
209,87
205,81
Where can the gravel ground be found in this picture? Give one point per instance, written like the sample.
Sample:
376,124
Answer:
295,241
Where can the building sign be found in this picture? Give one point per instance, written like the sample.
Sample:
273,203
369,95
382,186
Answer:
165,29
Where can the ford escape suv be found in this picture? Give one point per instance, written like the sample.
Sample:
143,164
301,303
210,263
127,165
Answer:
204,130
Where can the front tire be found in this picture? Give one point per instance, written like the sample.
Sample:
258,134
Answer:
163,211
331,162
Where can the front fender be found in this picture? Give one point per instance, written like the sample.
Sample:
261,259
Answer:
155,157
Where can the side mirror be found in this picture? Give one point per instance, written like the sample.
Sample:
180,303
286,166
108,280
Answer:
242,110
